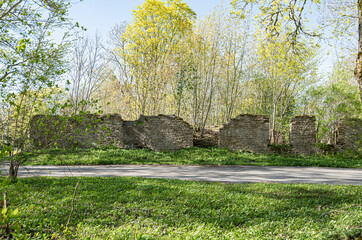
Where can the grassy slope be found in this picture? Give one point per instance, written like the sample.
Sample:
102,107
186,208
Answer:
135,208
192,156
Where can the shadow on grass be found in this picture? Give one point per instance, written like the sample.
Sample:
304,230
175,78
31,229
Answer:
191,156
45,203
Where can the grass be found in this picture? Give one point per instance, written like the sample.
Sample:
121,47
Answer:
191,156
136,208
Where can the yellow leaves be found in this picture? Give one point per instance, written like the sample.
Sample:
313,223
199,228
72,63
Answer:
151,30
156,22
280,61
15,212
280,15
152,41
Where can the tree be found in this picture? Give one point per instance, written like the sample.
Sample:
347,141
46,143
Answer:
204,55
235,49
282,73
292,16
150,43
358,69
116,94
88,71
29,63
336,99
216,51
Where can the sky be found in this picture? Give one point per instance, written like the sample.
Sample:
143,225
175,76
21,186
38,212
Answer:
102,15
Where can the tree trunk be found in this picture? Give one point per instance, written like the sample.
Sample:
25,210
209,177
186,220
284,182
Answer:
358,70
272,126
13,170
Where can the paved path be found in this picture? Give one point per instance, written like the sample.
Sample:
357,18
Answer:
230,174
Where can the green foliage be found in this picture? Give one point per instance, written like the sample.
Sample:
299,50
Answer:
184,79
136,208
339,19
150,45
7,218
192,156
28,55
334,100
284,71
31,63
280,148
294,16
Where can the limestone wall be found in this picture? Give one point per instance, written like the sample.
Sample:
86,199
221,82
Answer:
168,133
132,132
246,132
82,131
159,133
348,135
302,135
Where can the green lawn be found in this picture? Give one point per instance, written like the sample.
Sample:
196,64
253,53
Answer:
135,208
192,156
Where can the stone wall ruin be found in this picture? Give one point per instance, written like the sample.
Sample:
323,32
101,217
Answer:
348,135
168,133
159,133
162,133
245,132
132,132
302,135
84,131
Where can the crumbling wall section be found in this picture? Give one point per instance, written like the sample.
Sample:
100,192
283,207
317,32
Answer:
133,134
158,133
246,132
348,135
168,133
83,131
162,133
302,135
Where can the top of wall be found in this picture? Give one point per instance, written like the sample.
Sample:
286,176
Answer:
248,117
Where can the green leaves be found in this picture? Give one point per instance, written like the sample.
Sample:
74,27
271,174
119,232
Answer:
4,211
333,100
31,64
150,45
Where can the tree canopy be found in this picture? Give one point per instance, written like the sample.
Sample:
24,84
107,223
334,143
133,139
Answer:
30,64
151,42
293,16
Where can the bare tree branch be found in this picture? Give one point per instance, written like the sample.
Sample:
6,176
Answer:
9,10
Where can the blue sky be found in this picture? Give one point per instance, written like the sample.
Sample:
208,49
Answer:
101,15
